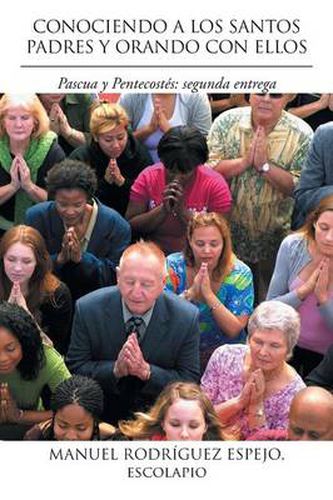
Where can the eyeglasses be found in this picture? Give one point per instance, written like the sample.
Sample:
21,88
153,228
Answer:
272,96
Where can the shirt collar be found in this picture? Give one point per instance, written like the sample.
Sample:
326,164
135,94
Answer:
92,221
245,121
127,314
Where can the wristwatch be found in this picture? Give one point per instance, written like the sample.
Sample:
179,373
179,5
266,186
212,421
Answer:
265,168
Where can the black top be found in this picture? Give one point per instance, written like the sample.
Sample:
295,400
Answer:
316,119
322,375
56,318
131,162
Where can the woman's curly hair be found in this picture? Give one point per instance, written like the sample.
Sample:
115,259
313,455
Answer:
22,326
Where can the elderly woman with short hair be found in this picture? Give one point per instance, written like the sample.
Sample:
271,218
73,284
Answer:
251,386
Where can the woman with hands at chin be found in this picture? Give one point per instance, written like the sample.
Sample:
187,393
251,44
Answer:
152,115
164,196
303,278
252,386
209,275
28,149
116,156
26,280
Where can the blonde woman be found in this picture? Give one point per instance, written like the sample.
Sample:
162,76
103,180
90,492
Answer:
182,412
115,155
28,149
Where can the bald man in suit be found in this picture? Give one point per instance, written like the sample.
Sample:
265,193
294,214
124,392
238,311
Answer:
134,338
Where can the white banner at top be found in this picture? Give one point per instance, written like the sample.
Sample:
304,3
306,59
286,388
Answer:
167,47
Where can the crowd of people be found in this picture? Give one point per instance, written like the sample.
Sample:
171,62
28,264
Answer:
163,275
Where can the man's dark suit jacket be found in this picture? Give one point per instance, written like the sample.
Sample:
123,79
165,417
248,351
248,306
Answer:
170,345
316,181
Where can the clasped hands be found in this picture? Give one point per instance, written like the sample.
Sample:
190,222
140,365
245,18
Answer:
20,174
173,197
70,247
112,173
159,119
257,154
58,121
130,360
251,398
201,289
9,413
317,283
16,297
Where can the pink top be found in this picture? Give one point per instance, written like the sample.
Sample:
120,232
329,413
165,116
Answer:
224,379
207,192
315,333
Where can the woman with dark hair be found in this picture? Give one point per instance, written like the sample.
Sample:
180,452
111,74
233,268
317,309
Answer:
209,275
303,278
28,149
181,412
26,279
165,196
77,405
84,237
26,367
114,154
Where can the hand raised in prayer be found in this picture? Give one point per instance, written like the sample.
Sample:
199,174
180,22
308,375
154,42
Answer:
9,413
135,361
16,296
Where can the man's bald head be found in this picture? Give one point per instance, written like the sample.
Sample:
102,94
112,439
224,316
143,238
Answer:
311,415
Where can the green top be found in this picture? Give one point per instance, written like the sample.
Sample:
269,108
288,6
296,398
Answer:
27,392
34,157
